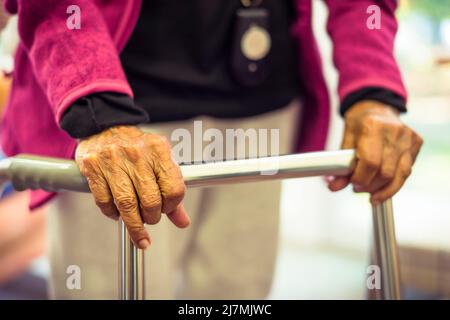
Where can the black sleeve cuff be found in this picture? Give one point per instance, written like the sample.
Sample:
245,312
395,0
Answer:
97,112
373,93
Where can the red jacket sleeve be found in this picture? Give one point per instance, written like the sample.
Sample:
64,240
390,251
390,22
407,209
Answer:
69,63
364,56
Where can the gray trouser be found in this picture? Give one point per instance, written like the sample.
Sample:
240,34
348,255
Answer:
228,252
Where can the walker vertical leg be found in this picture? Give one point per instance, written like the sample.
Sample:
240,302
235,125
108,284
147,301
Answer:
386,250
131,267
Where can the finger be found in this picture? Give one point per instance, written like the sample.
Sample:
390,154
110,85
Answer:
389,163
103,197
171,184
391,157
376,185
126,202
348,141
99,189
402,173
417,145
339,183
148,192
179,217
368,154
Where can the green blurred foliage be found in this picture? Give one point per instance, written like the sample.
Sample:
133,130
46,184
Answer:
436,9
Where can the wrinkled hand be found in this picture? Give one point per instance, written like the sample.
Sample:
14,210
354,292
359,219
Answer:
386,150
131,174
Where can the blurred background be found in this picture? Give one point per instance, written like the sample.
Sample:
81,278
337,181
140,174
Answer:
325,238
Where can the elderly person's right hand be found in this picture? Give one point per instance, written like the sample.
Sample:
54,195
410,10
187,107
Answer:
132,174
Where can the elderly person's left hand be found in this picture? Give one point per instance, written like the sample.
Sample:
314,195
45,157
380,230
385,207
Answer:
386,150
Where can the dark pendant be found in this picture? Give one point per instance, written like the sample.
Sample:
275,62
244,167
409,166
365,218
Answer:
251,46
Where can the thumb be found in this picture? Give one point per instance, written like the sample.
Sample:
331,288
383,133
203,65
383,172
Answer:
179,217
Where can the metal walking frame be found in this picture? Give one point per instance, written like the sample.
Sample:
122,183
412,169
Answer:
50,174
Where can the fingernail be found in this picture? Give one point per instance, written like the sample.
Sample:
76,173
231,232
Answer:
143,244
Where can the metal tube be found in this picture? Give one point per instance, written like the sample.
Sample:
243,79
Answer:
131,267
269,168
386,255
26,171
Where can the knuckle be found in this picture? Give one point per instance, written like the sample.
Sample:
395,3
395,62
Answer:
398,127
368,124
110,150
152,218
418,139
387,174
409,135
126,203
163,140
407,130
103,202
133,153
136,230
88,159
160,146
150,202
176,192
107,153
371,163
158,140
87,165
394,130
406,172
